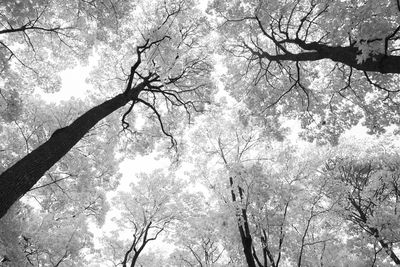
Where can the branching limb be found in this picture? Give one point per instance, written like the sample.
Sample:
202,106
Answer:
27,27
125,124
139,51
173,141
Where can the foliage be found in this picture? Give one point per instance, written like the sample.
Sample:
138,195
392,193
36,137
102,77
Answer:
69,194
203,247
285,205
247,191
322,62
145,211
367,190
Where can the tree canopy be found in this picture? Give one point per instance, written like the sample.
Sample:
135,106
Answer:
332,64
278,120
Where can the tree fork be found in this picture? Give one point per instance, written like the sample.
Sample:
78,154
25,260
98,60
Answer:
25,173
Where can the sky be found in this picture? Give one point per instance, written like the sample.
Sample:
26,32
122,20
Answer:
73,84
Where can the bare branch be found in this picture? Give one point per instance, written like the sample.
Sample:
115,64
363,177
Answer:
173,141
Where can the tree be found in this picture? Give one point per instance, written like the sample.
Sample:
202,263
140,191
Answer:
152,75
267,201
204,246
331,64
68,197
228,144
298,31
262,188
146,211
369,195
278,203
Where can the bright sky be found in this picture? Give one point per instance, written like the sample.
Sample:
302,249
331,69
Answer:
73,85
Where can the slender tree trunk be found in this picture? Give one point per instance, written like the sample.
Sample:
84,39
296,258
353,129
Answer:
244,230
22,176
247,243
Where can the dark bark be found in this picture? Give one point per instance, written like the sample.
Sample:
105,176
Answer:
346,55
242,220
313,51
27,27
361,220
22,176
143,237
247,243
390,252
244,230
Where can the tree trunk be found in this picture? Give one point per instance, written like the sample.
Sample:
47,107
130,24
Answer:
22,176
244,230
134,259
247,243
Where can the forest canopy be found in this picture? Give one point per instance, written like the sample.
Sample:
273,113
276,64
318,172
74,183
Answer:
256,133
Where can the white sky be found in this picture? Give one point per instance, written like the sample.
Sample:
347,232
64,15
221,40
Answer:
73,85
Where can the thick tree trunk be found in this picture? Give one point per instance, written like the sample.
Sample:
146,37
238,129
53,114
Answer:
22,176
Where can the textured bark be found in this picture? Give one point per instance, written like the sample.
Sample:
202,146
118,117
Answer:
22,176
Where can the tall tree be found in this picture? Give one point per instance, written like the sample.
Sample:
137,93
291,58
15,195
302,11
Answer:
162,72
69,195
281,209
331,64
230,143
